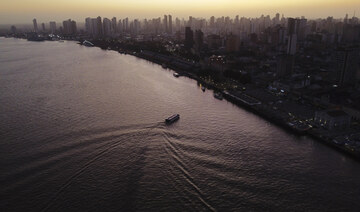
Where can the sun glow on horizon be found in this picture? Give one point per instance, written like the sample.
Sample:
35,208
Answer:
22,10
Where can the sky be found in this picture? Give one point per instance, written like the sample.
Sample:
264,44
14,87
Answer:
23,11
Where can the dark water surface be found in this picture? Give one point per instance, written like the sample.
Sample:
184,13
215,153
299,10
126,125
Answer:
82,129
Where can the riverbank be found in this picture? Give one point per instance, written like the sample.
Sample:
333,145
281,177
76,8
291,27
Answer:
250,103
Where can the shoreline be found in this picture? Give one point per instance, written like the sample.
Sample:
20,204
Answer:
234,98
255,109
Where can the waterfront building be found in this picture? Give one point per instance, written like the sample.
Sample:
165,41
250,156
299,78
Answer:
93,28
13,29
88,25
99,27
107,27
332,119
43,27
69,27
35,25
114,29
52,25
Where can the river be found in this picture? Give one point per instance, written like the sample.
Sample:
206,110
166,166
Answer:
82,130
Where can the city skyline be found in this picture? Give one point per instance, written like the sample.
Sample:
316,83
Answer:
20,12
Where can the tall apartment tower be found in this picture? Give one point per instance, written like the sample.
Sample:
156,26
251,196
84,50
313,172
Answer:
189,38
170,25
99,26
106,27
165,23
35,25
52,27
198,39
114,28
346,64
292,36
69,27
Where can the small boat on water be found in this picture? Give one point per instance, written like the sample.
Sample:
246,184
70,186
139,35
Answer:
172,119
218,95
203,88
87,43
176,74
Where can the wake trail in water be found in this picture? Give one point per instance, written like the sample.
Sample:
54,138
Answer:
90,162
70,145
175,155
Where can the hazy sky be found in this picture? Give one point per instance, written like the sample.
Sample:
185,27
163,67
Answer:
23,11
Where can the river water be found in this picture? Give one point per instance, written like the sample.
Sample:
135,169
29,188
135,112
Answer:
82,129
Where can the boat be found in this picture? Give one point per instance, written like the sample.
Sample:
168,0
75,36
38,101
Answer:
218,95
176,74
203,88
172,119
87,43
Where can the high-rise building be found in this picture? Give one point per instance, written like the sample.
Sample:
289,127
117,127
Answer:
189,38
99,27
107,27
212,21
13,29
43,27
292,36
136,27
126,24
165,23
114,25
69,27
346,64
120,26
35,25
177,24
190,22
277,19
301,32
94,31
88,25
232,43
170,25
198,39
52,25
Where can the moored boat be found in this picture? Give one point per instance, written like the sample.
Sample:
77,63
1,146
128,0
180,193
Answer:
176,74
172,119
218,95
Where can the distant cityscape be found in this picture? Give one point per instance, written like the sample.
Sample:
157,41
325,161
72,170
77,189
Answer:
301,74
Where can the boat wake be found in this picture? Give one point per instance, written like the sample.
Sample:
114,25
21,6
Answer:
177,161
91,144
